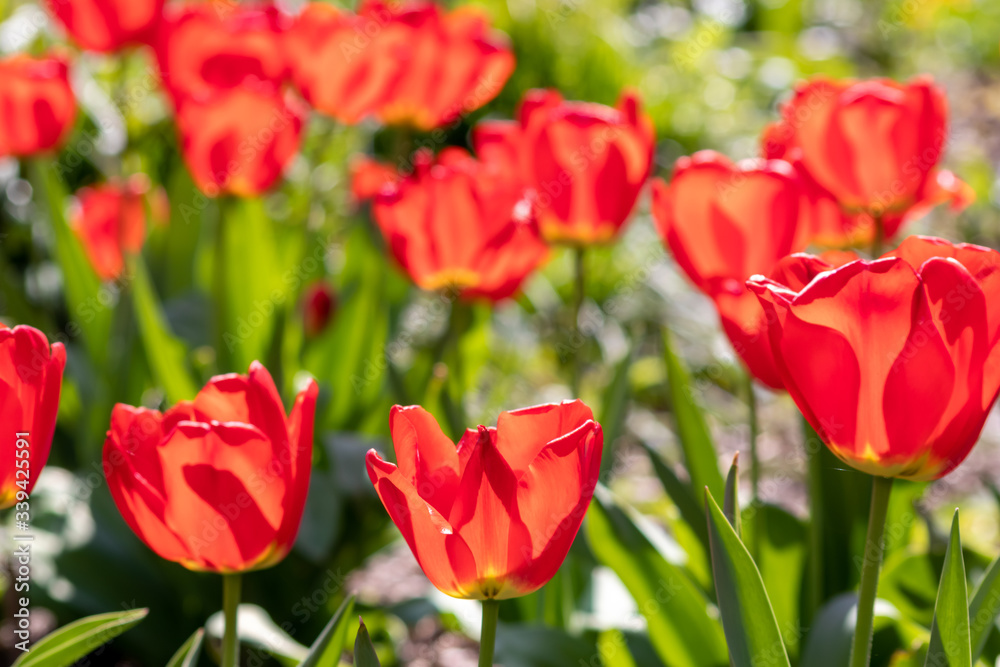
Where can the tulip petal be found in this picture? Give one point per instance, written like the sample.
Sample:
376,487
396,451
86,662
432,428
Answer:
30,381
522,434
959,310
299,464
132,468
250,399
226,497
443,555
553,496
485,514
426,457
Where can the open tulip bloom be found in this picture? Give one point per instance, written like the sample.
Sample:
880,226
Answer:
217,484
894,363
494,516
30,381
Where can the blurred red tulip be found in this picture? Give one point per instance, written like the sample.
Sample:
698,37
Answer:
587,162
494,516
455,223
240,142
207,48
219,483
108,25
30,380
37,103
110,220
895,362
318,304
723,223
831,224
402,63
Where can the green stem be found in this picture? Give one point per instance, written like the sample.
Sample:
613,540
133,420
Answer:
459,322
231,584
580,288
219,285
879,239
491,612
754,432
814,451
760,527
871,564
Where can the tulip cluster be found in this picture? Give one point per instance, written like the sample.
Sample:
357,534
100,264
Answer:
822,181
564,172
893,358
234,75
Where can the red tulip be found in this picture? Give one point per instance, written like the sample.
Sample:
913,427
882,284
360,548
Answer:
587,162
240,142
207,48
725,222
318,304
107,25
493,517
831,224
402,63
456,223
30,380
895,362
37,107
110,220
219,483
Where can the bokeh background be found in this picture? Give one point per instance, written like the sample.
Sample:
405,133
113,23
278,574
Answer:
711,74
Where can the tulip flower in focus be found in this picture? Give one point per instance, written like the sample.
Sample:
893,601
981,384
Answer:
30,381
403,63
724,222
218,483
107,25
37,104
455,223
869,152
318,304
493,516
110,221
587,162
894,362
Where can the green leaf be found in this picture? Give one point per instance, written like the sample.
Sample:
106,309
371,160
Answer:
249,287
692,430
614,407
779,540
951,643
166,355
838,500
613,649
676,611
681,494
90,309
984,608
537,645
349,358
259,632
731,503
326,650
364,652
187,654
832,632
71,642
747,616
